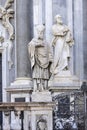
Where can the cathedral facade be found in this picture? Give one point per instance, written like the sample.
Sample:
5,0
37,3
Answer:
18,26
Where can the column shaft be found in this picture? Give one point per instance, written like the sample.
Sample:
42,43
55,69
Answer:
24,31
48,19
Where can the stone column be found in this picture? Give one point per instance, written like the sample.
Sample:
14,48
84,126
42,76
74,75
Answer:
70,24
23,35
78,37
15,124
27,120
6,125
24,32
41,8
48,19
40,11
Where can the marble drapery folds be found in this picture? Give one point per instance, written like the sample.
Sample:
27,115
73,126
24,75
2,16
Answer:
62,41
41,58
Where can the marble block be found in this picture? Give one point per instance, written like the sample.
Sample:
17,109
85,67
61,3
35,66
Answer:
44,96
22,84
64,80
42,111
22,81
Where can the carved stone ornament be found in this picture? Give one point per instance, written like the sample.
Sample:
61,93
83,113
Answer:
41,124
7,113
5,15
10,48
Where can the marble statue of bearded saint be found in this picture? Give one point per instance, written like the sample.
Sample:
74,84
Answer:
61,42
41,59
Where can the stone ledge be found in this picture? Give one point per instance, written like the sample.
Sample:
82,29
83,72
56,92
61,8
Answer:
63,89
24,106
21,84
21,88
64,83
22,81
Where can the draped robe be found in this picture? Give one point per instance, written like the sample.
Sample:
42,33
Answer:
40,56
61,43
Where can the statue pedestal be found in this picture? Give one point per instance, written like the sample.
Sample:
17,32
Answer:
64,80
20,91
44,96
42,111
20,88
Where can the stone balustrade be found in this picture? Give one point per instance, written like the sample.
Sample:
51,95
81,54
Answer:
21,121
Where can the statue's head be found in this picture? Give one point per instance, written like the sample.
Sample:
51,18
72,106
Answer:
40,31
58,19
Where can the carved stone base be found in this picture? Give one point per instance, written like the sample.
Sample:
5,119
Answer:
44,96
22,81
41,116
64,80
